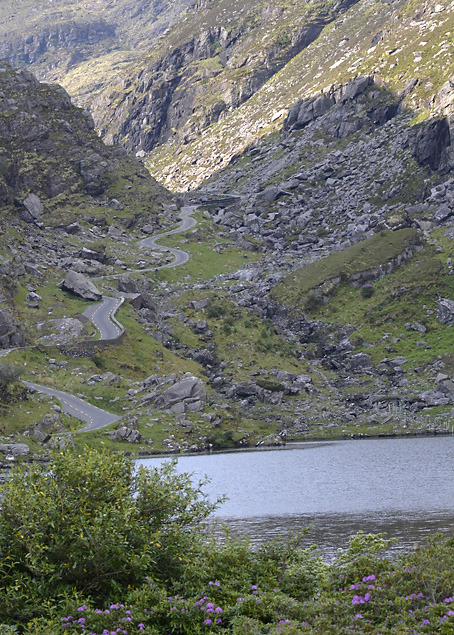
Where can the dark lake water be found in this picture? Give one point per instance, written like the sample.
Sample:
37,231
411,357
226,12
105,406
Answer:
403,487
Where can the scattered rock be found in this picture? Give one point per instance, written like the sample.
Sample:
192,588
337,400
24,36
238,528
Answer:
80,285
445,311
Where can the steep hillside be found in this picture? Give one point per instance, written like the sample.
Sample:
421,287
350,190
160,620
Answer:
405,45
209,64
57,179
81,45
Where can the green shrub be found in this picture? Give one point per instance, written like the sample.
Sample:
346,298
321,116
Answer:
312,301
270,384
91,524
9,374
367,291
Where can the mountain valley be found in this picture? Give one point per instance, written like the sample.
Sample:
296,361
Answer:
312,143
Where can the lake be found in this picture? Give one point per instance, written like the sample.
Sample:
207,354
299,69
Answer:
404,487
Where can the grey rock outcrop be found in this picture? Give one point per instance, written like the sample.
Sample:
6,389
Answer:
187,395
359,362
127,285
61,331
445,311
80,285
14,449
304,112
10,332
126,433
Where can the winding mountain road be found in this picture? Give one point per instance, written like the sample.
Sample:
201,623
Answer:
181,257
103,317
94,417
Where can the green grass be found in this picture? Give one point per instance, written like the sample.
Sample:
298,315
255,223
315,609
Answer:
15,417
210,254
243,339
140,355
368,254
408,295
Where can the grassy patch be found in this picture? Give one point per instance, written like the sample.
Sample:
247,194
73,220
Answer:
365,255
210,254
408,296
243,339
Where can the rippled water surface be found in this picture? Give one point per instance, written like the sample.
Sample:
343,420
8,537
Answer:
404,487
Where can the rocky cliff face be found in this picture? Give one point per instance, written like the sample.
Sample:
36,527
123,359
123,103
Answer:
206,67
403,45
49,147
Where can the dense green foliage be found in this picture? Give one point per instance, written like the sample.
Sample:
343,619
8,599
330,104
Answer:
8,375
88,545
91,524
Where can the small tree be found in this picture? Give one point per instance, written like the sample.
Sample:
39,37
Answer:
91,523
8,375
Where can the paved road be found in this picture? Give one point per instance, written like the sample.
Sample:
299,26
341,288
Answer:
187,222
94,417
103,315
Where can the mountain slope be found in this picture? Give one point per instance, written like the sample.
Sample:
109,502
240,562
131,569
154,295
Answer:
81,45
207,66
57,179
405,44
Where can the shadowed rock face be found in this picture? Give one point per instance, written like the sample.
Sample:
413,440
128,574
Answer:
38,124
50,148
10,331
432,139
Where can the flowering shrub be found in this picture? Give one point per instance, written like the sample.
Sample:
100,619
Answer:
184,583
90,524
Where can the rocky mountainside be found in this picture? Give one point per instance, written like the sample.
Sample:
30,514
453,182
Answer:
318,297
236,74
206,67
57,179
80,45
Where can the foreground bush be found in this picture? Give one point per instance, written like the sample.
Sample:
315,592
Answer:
89,547
91,524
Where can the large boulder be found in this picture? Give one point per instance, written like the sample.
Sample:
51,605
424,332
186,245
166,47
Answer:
127,284
360,362
126,433
33,206
80,285
187,395
15,449
445,311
